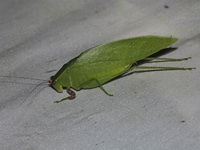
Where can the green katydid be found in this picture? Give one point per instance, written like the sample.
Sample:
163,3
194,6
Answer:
104,62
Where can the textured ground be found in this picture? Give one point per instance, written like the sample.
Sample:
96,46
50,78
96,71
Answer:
150,110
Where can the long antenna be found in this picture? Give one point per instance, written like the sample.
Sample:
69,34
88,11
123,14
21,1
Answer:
23,78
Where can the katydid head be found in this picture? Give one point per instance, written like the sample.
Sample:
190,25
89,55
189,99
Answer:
56,85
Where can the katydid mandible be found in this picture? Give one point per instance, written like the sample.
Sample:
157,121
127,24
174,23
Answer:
100,64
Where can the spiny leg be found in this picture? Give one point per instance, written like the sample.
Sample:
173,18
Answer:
167,59
99,85
162,68
71,93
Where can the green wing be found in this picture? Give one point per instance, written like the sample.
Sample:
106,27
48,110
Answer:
107,61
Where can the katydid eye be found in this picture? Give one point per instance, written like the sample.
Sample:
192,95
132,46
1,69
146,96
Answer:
52,82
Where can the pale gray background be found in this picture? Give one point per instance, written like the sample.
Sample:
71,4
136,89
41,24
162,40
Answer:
151,110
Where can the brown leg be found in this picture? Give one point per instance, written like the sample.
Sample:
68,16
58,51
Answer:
72,96
71,93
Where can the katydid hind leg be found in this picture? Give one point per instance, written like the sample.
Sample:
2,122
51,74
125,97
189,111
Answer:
161,68
98,83
167,59
71,97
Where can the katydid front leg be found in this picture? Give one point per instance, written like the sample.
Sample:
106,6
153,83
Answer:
71,97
